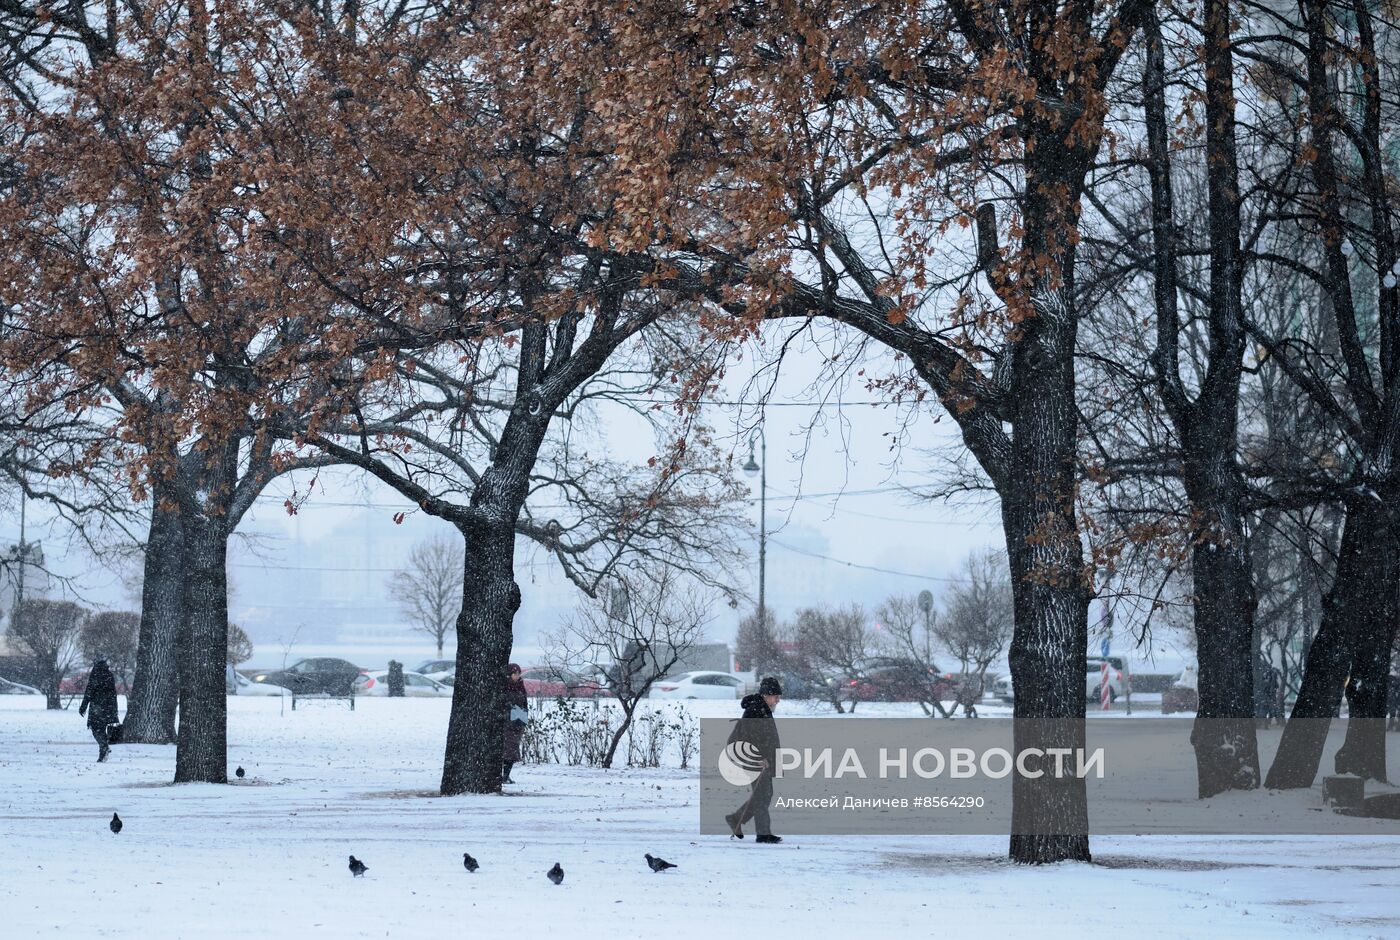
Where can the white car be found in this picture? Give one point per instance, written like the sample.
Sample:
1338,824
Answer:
238,684
439,670
1093,681
699,685
414,686
16,688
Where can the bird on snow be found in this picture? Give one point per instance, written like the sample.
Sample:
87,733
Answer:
555,874
116,824
240,773
658,864
468,862
357,867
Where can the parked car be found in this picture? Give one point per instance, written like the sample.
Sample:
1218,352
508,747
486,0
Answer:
1093,681
235,683
899,680
1182,696
794,686
439,670
552,682
322,675
414,686
15,688
1093,678
75,683
688,685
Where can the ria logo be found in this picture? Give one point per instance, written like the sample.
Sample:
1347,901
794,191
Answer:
740,763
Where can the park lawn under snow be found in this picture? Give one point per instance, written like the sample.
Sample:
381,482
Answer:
267,856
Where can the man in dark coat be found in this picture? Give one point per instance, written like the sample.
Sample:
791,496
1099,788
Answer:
517,710
100,705
757,727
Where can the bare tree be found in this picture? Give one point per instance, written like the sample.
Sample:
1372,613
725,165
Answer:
976,626
240,645
756,644
49,632
830,645
907,636
634,637
429,590
112,634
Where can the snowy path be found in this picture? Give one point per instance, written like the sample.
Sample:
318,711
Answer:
267,856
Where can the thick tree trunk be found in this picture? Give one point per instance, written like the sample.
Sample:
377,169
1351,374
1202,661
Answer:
202,746
490,598
1363,751
1227,752
1222,580
1360,596
150,715
1050,813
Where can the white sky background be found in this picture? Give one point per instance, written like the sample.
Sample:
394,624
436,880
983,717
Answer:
287,573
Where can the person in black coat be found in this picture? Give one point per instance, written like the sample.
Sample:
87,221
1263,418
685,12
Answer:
757,727
100,705
517,711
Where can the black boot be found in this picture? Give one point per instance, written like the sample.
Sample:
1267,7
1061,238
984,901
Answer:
736,828
768,839
505,773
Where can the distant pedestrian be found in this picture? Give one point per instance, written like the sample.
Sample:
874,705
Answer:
757,728
1393,704
100,705
517,713
969,694
1267,683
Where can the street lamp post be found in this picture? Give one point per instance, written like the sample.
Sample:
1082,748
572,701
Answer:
752,468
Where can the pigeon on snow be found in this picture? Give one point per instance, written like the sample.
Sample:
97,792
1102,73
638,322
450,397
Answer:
658,864
468,862
116,824
555,874
357,867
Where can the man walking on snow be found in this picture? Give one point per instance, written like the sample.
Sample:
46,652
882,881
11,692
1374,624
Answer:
100,702
757,727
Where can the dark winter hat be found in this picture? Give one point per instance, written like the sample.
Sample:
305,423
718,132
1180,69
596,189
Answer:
770,686
100,661
513,667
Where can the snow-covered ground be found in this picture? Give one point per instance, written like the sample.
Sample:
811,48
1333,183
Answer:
267,856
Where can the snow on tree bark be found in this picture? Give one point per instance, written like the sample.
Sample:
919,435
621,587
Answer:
155,693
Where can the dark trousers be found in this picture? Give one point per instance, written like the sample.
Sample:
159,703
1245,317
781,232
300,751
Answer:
99,734
757,806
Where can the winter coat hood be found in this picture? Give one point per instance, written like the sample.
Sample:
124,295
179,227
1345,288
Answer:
755,707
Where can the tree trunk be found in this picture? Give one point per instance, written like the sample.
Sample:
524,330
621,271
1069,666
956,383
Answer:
150,714
1222,581
201,753
1227,752
1050,813
490,598
1360,596
627,714
1363,752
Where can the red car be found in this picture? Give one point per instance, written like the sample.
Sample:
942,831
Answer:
900,681
549,682
75,683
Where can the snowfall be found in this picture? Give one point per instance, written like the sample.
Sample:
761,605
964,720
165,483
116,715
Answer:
267,855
